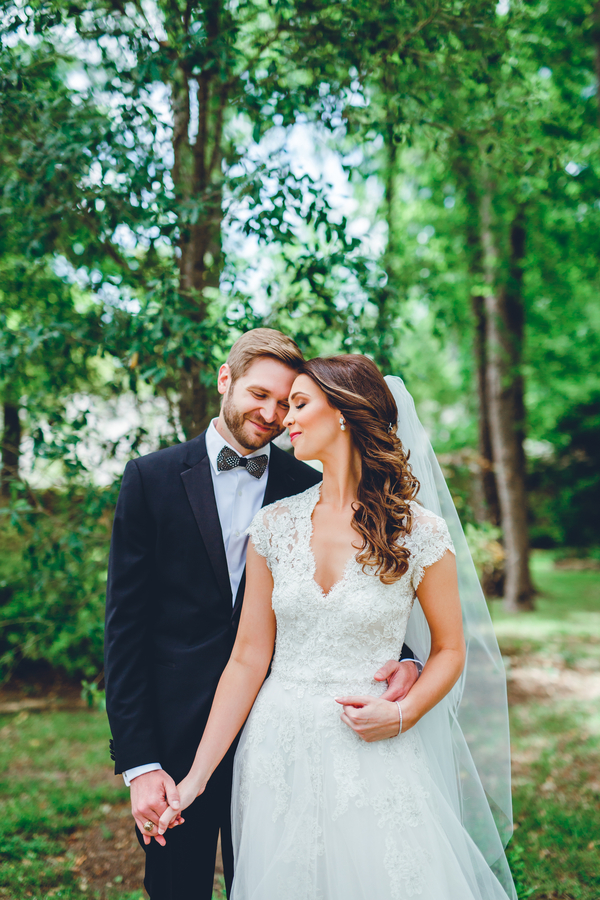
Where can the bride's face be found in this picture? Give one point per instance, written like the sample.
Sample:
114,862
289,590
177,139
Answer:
313,424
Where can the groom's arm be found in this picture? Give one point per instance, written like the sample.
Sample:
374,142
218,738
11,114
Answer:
408,656
128,657
128,611
400,675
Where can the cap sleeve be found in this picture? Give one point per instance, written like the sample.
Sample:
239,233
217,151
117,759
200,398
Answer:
260,534
430,539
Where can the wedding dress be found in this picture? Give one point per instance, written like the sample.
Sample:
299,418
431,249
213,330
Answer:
317,813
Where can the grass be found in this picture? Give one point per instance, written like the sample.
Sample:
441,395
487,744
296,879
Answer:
56,781
567,610
555,851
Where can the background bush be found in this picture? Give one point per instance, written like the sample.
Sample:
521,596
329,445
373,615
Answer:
53,579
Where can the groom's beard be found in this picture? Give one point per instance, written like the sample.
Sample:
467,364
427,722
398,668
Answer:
238,425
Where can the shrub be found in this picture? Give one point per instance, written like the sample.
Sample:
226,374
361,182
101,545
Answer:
53,577
488,555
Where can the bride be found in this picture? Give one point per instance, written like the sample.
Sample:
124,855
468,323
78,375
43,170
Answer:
334,576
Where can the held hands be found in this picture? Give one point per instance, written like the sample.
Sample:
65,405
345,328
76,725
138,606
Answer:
188,791
378,718
156,799
151,795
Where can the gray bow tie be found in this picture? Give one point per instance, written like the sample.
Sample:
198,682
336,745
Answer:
228,459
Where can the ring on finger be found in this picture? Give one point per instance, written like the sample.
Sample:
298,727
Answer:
148,826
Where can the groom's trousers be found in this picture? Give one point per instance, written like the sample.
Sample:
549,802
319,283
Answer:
184,868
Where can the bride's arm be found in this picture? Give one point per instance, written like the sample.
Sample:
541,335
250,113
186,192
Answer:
440,601
374,718
239,683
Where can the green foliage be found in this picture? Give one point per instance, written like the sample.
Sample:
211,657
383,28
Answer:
565,481
93,695
422,107
488,556
54,579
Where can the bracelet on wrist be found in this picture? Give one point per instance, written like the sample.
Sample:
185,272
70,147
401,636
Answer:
400,711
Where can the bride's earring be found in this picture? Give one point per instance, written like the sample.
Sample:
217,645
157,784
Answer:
342,423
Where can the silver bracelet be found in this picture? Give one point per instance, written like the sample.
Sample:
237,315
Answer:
400,711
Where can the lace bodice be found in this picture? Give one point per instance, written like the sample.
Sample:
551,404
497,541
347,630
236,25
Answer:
318,812
334,643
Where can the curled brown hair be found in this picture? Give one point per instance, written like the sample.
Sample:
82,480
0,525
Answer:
382,514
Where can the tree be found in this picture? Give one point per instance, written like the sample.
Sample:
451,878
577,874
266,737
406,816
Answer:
42,318
480,113
226,75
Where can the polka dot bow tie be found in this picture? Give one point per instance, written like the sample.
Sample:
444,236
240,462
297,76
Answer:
228,459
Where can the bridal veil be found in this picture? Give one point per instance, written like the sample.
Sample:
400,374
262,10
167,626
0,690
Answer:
466,735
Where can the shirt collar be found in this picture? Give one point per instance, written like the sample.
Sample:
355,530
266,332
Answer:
215,443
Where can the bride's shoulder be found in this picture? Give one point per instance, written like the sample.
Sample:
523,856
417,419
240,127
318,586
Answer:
282,511
427,524
423,517
292,505
428,540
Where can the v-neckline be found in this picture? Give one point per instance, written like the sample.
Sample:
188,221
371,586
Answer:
351,559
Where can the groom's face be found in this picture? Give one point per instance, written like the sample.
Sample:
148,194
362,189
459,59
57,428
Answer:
255,405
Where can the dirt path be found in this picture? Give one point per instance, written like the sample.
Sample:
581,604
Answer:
108,856
544,679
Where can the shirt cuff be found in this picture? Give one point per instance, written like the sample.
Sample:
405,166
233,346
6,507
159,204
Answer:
417,663
130,774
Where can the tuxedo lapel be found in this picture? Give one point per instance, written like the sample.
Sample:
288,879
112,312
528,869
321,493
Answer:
280,481
198,484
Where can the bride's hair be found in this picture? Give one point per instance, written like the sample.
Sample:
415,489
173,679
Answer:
382,514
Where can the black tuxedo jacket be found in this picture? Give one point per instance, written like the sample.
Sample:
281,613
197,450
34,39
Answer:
170,619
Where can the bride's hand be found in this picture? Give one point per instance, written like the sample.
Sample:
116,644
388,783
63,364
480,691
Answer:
188,791
372,718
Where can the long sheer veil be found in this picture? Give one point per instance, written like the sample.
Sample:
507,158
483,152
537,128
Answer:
466,736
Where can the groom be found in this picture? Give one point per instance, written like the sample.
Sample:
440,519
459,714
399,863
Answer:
175,589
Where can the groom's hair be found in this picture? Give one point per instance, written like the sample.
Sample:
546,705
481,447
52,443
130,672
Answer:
260,343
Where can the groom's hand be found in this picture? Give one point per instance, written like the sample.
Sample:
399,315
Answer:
151,794
400,676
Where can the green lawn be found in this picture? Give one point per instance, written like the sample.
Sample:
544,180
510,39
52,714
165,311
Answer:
54,780
555,851
57,790
567,608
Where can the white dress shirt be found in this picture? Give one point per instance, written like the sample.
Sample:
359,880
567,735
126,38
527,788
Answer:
239,496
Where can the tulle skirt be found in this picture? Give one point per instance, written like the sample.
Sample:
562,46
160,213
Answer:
319,814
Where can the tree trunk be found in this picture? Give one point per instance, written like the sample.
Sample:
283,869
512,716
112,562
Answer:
515,312
199,268
197,178
489,504
504,341
11,443
489,488
487,477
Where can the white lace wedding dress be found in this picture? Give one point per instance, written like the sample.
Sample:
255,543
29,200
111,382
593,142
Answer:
318,814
